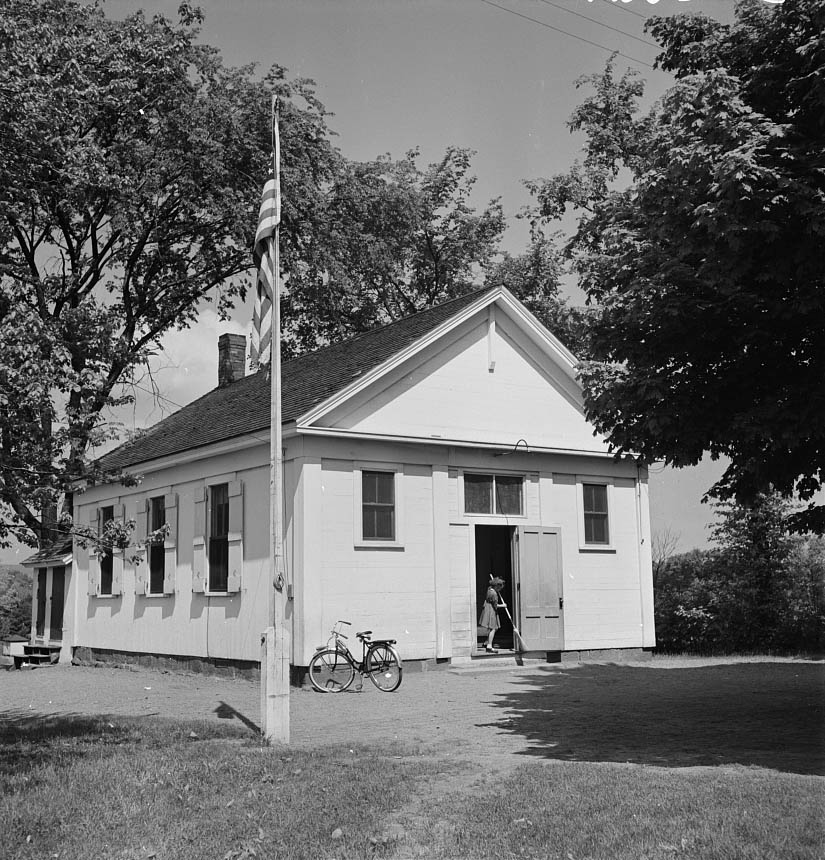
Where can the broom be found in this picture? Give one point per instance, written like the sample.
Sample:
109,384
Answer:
517,640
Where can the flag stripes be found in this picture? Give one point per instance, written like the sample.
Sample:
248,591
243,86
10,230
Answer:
265,259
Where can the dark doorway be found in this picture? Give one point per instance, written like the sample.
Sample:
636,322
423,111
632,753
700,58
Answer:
494,557
58,601
40,620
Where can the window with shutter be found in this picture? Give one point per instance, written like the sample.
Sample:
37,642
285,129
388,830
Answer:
105,555
218,539
157,551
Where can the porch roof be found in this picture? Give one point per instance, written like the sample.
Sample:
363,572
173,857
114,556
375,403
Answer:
57,552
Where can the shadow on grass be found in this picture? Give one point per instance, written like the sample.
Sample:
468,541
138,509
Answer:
27,740
769,715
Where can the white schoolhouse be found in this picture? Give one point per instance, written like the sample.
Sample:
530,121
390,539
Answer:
419,459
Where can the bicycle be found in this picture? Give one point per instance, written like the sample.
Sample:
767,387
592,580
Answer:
333,666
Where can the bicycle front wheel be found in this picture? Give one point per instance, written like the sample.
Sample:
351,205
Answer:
384,667
331,671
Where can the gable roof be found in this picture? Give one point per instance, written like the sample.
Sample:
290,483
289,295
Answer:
243,407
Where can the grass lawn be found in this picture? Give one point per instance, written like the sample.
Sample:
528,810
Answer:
135,789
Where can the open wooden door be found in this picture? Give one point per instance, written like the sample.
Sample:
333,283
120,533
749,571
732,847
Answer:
540,588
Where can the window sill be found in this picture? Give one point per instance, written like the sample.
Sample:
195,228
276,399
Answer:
156,596
470,515
379,544
596,548
107,596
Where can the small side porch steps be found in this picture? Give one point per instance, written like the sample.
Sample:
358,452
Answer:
37,655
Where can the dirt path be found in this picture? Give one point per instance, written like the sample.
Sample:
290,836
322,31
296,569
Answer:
769,714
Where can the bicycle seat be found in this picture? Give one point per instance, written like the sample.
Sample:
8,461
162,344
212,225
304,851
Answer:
364,635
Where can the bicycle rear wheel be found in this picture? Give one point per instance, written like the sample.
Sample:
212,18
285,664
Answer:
331,671
384,667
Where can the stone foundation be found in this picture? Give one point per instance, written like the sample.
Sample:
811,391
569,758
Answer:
250,670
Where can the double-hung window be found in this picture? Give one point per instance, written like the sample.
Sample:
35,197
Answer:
218,538
595,503
378,505
217,546
493,494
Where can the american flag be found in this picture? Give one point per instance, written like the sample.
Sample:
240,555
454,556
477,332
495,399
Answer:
264,256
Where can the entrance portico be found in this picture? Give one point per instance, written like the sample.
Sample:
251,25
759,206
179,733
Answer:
52,567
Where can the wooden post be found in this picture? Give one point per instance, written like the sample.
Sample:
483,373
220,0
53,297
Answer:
275,657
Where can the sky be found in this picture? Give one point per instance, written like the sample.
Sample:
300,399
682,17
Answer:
496,76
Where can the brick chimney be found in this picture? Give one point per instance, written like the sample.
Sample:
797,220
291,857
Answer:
231,358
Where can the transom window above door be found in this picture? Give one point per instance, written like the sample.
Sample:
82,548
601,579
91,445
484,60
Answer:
493,494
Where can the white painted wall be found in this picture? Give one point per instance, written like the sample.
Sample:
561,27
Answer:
421,593
451,392
186,623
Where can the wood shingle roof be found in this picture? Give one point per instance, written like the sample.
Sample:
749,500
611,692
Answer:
243,407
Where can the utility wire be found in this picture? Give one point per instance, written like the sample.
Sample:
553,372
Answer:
594,21
626,9
566,33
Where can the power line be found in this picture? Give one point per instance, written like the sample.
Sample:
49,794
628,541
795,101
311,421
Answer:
594,21
624,8
566,33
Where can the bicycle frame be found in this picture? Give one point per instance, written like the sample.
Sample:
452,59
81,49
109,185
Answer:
379,662
335,642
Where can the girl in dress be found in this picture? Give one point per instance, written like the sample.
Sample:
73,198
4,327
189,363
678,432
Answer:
489,614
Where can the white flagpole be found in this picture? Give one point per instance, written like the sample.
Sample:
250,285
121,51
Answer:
276,645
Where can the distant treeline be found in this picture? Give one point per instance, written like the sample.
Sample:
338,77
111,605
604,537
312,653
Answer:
758,589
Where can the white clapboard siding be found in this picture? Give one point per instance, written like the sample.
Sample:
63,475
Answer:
451,393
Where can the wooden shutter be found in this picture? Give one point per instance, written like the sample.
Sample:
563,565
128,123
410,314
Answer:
117,555
170,560
93,581
139,512
235,536
199,542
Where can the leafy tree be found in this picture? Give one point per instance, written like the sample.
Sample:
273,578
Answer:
130,180
393,239
130,177
700,236
754,551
